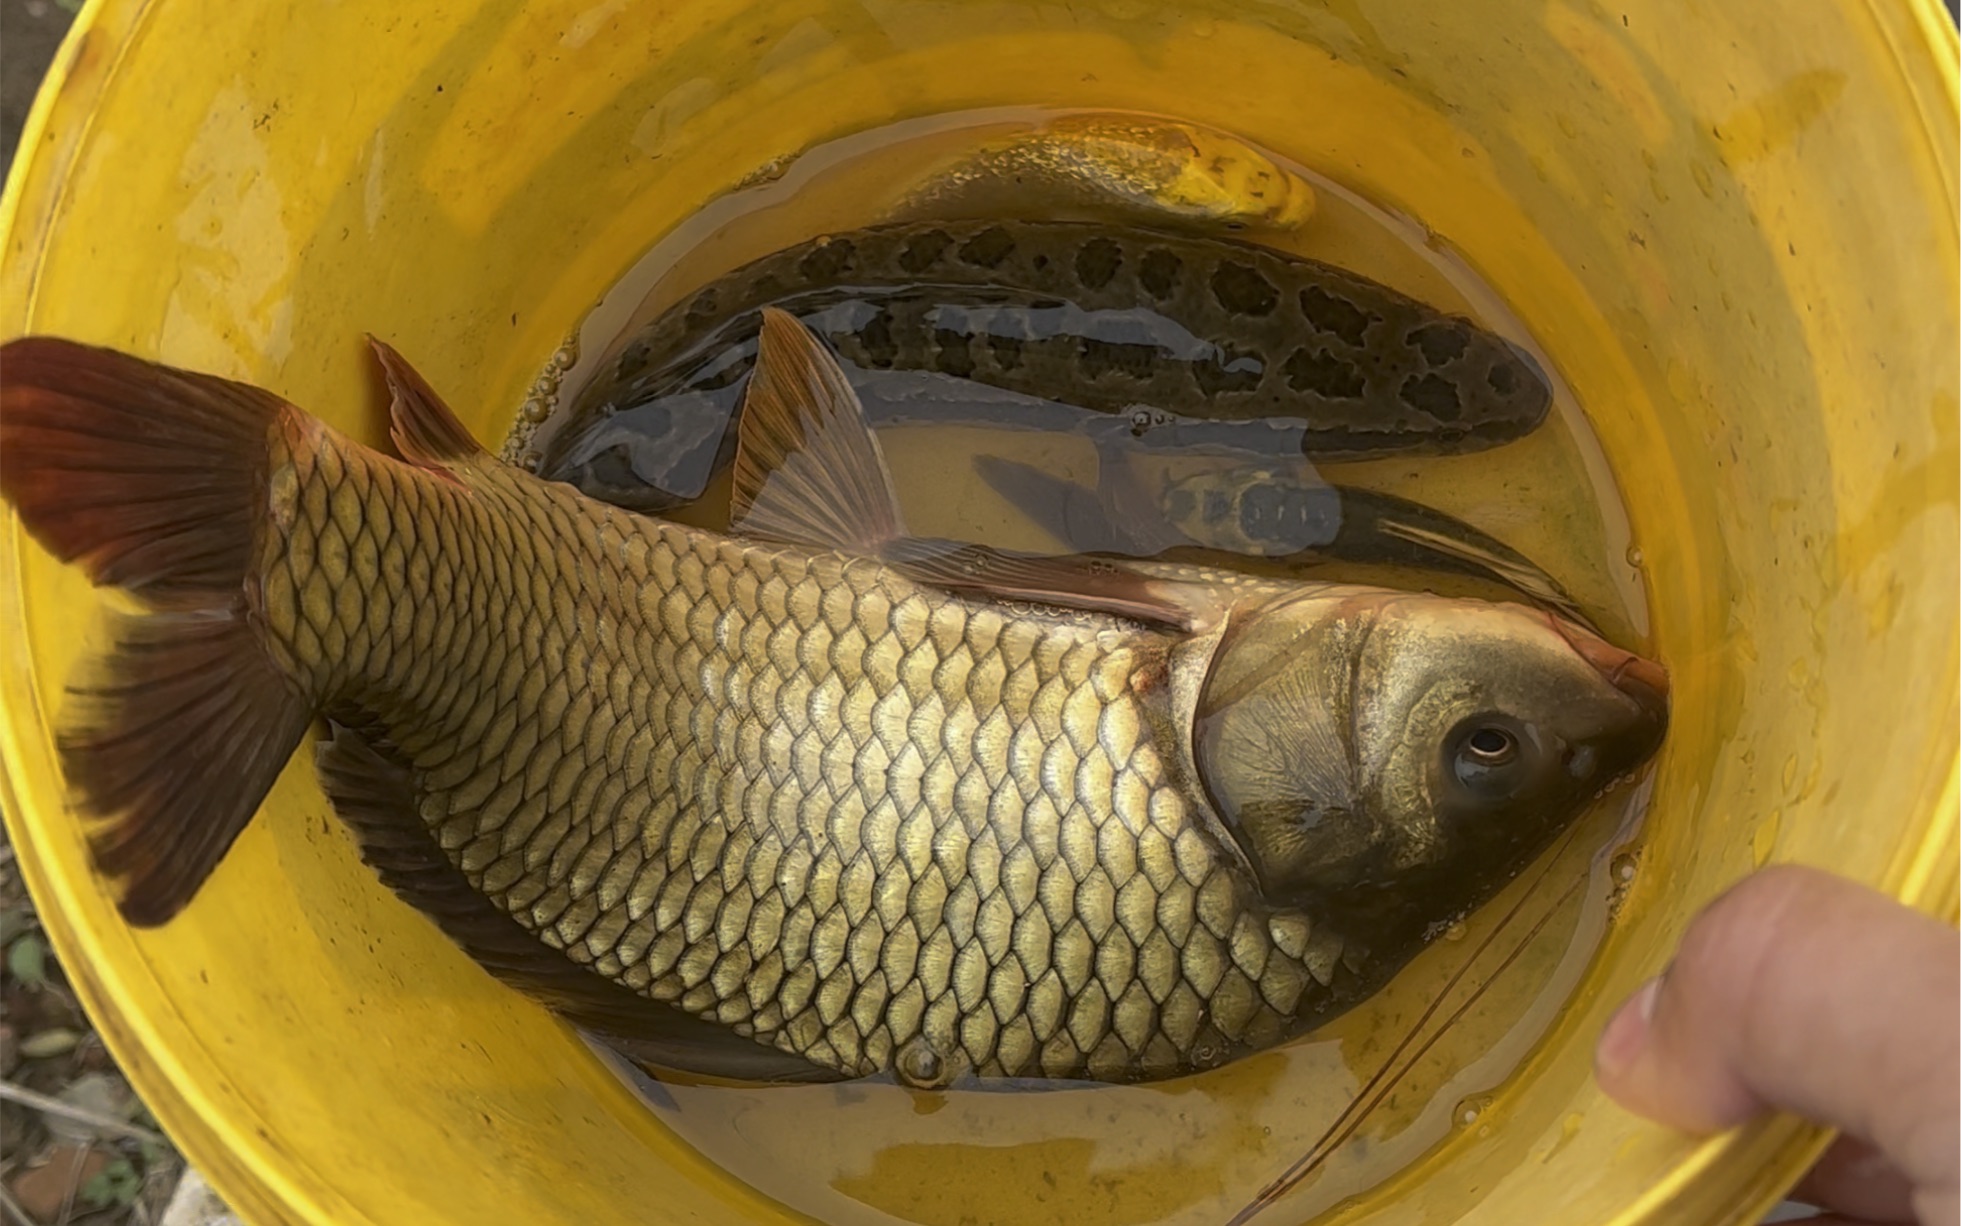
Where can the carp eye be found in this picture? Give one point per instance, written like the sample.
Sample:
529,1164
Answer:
1487,755
1491,746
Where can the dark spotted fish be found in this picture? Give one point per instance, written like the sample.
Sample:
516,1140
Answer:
1161,329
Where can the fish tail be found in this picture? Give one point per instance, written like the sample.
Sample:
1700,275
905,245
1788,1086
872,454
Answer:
155,481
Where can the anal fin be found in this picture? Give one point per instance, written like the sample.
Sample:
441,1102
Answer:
376,795
426,431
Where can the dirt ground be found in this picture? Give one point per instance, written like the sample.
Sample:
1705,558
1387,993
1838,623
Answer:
30,30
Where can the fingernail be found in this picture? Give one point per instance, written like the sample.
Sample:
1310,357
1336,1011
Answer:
1627,1033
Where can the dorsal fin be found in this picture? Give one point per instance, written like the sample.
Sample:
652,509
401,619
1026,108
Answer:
425,431
808,469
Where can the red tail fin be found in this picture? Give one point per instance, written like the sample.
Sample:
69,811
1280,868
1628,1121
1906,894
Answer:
147,477
152,480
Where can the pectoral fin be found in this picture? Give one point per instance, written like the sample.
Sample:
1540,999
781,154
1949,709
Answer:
1069,581
1373,529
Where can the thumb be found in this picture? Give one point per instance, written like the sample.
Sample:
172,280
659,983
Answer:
1801,991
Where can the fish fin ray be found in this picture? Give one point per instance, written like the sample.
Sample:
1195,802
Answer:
149,478
152,479
1070,581
426,431
808,469
176,739
376,795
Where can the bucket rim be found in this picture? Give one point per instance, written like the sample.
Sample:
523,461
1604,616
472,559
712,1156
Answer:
102,35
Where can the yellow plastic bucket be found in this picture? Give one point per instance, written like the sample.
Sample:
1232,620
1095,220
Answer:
1732,225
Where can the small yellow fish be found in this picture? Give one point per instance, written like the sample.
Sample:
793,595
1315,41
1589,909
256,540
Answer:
1162,168
815,800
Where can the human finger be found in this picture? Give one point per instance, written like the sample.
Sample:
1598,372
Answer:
1803,991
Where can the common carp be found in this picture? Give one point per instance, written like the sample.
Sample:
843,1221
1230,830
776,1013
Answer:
812,800
1157,329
